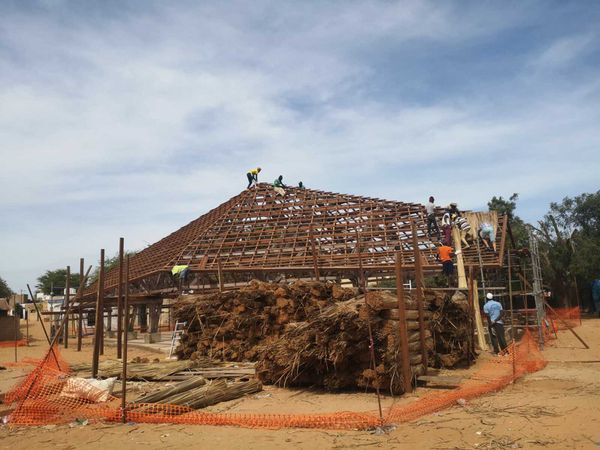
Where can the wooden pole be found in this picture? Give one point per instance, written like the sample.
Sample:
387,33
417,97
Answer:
43,326
402,330
314,254
79,297
471,338
460,263
220,274
510,298
99,317
125,339
361,273
478,320
120,298
567,325
16,323
66,306
512,316
419,292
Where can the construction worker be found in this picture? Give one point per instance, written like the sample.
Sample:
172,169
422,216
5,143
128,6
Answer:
487,235
431,221
278,185
493,310
301,185
464,227
445,253
253,176
454,212
447,228
180,273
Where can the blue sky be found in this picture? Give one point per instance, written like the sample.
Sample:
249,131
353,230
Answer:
133,118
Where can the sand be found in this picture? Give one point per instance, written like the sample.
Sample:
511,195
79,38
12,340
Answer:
555,408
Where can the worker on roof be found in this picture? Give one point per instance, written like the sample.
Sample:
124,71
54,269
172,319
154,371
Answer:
253,176
447,228
431,220
278,185
487,234
301,185
180,274
445,253
464,227
493,310
454,212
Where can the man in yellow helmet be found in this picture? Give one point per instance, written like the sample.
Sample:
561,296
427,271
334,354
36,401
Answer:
253,176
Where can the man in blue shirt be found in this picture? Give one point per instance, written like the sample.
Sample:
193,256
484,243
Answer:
493,310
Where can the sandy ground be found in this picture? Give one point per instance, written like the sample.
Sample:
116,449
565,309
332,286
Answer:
556,408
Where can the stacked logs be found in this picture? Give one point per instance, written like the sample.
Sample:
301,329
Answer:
317,334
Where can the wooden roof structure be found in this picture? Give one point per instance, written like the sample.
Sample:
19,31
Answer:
260,231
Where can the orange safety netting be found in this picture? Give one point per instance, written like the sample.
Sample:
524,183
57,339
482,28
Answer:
565,317
40,399
8,344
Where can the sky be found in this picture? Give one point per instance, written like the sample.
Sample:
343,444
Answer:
132,118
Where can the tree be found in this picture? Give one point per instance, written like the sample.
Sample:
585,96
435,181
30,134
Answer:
517,226
5,291
56,279
109,263
570,243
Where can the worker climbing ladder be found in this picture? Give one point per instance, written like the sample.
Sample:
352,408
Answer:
538,293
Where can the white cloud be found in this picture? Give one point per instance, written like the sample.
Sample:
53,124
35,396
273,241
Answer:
140,121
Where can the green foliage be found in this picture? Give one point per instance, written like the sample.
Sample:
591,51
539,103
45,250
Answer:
56,279
5,291
570,242
518,227
109,263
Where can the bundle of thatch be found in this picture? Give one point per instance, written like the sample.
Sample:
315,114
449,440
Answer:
318,334
332,349
230,325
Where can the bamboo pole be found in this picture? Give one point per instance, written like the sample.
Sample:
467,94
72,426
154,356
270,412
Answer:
406,372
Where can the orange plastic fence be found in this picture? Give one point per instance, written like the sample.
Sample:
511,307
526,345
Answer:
8,344
40,400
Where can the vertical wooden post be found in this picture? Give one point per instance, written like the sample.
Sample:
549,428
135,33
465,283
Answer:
314,254
120,298
16,323
419,292
220,274
460,263
471,341
80,298
125,336
361,273
66,306
99,317
402,326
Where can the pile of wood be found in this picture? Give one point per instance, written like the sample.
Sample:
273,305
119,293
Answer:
230,325
317,334
197,392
